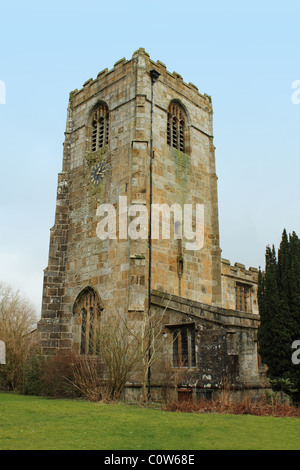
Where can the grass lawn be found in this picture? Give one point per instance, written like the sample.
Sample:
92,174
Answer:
35,423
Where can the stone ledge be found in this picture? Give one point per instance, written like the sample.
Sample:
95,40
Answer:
212,314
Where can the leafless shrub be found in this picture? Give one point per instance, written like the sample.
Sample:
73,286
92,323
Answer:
148,334
17,320
57,377
88,378
68,375
247,406
119,351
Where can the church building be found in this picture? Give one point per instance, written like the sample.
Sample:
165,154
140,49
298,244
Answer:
137,228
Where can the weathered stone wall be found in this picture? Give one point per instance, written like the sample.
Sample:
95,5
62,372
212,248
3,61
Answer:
226,346
186,178
77,257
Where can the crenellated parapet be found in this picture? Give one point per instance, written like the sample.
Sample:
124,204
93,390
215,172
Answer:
144,61
239,287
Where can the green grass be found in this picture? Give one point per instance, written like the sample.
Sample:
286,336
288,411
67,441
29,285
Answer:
35,423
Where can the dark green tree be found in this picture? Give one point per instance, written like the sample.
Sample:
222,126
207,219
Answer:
279,307
294,284
294,304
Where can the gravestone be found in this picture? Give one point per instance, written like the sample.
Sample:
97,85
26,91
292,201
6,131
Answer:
2,352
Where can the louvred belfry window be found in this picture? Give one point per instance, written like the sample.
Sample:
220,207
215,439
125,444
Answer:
176,127
100,127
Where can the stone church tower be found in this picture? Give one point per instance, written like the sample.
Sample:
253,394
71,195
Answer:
138,135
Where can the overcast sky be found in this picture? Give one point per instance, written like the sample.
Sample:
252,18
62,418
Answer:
245,54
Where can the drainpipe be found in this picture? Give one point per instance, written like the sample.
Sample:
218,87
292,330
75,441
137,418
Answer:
154,74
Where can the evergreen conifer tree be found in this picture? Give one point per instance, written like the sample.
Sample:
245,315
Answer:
294,374
279,307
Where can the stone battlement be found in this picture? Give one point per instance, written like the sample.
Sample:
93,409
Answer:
237,276
239,270
105,74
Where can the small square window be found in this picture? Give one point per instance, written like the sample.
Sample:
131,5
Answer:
184,347
243,298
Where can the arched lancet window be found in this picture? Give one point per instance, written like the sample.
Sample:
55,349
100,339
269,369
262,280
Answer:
176,127
87,311
100,127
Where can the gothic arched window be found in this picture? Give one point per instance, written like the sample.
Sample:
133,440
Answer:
87,312
176,127
100,127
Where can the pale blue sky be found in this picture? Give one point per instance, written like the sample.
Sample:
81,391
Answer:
245,54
